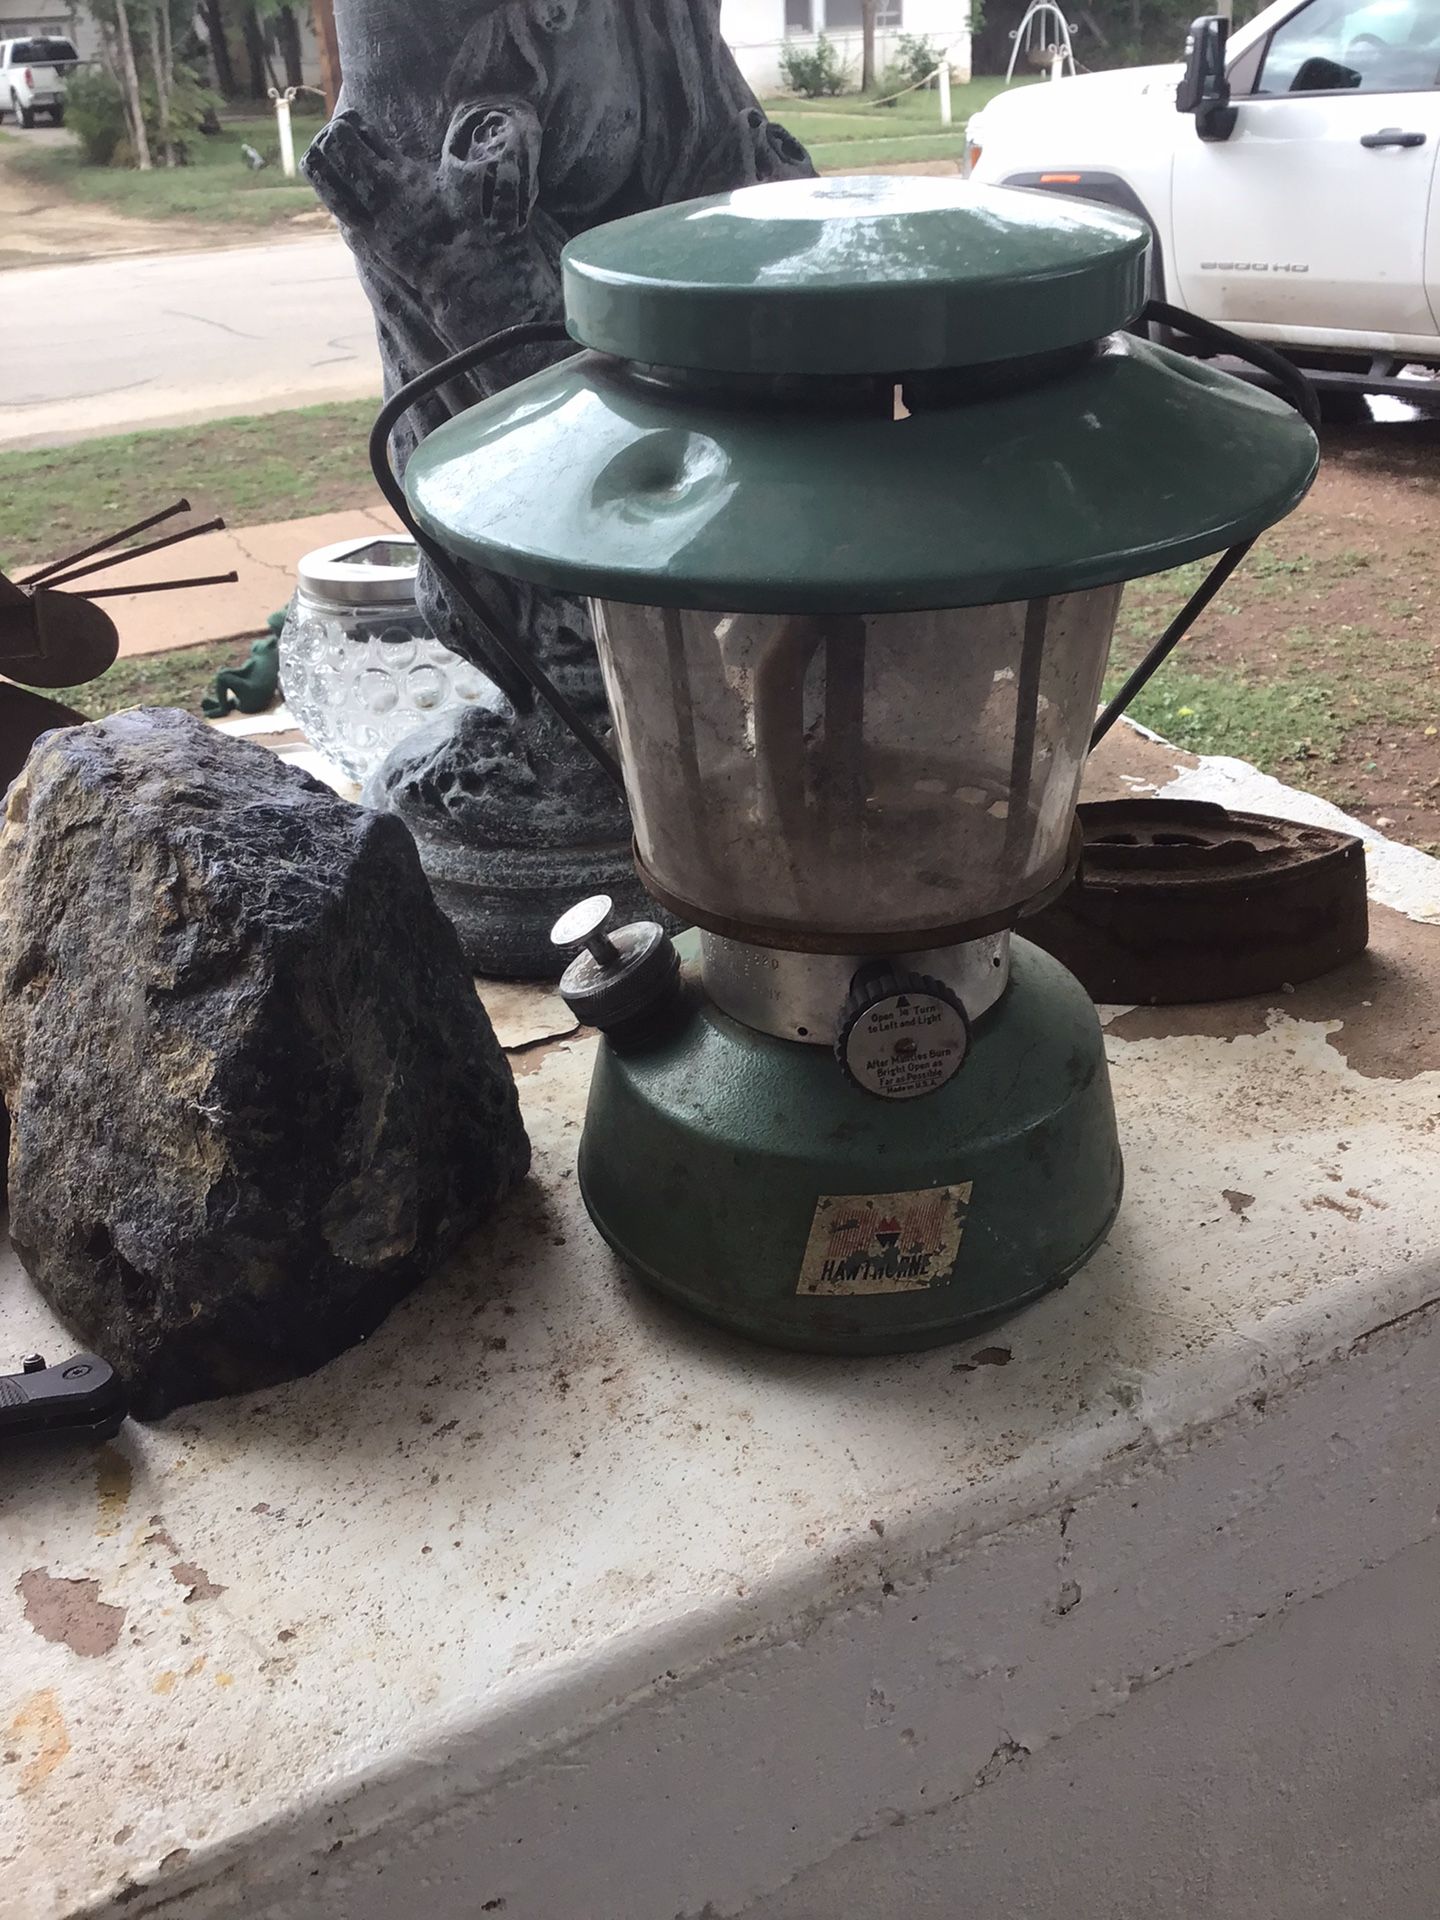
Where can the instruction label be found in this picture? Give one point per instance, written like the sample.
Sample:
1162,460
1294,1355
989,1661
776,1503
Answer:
906,1045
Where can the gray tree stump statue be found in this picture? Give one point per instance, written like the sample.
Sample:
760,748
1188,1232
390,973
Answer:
474,137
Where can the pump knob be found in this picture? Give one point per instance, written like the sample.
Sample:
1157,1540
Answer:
584,924
901,1034
625,981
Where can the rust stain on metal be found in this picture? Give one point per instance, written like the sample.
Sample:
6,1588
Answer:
114,1477
70,1612
186,1574
40,1725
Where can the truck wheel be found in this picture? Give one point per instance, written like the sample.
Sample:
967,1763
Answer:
57,116
25,115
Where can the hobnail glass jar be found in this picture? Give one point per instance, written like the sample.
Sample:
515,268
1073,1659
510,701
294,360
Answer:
358,666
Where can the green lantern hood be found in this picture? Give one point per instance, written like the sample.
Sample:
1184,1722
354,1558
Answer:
1080,465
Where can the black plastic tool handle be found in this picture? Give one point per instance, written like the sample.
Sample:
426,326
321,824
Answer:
81,1399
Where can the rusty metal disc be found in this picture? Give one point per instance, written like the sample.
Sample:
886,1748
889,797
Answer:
1184,900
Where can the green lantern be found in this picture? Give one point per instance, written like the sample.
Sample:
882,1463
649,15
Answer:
853,471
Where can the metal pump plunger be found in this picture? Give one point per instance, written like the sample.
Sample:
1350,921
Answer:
853,472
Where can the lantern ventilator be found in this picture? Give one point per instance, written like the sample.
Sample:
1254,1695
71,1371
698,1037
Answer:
853,472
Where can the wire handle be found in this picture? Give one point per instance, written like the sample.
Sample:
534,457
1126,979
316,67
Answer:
1298,391
1292,383
509,646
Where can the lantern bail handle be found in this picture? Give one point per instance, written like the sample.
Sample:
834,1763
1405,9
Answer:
509,646
1287,377
1295,388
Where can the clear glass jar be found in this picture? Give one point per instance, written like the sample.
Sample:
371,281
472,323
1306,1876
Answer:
358,666
855,782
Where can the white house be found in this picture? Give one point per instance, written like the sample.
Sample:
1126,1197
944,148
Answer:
757,31
22,20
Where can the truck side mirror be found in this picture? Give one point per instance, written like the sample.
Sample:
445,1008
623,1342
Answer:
1204,89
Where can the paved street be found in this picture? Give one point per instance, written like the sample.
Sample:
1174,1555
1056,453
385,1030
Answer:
104,346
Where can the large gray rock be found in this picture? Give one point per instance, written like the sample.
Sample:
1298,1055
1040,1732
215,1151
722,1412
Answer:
254,1098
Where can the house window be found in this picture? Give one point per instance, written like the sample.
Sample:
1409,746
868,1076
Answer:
799,16
847,15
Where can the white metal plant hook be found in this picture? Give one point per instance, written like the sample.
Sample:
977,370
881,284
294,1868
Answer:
1045,35
284,131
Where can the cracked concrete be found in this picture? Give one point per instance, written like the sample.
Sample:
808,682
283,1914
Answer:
265,557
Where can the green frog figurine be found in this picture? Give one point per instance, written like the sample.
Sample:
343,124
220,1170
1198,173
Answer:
247,689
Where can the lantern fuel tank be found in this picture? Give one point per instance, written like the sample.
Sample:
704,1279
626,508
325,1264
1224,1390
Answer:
853,472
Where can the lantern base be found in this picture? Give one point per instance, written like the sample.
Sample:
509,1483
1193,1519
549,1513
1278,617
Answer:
746,1178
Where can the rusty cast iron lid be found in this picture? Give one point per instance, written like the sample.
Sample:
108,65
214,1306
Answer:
1183,900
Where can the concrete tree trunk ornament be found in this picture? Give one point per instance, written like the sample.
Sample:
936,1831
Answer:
473,139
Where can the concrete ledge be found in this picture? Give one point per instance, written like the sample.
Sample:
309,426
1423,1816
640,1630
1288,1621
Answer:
549,1603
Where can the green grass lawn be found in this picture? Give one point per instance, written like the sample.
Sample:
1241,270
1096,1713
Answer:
216,187
1278,672
850,131
256,468
1283,711
180,678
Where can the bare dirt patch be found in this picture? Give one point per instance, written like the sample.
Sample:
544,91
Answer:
44,223
40,226
1318,660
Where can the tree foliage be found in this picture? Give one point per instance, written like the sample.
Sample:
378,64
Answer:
814,69
147,97
176,38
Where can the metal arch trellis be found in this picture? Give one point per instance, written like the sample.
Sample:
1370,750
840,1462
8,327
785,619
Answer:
1056,53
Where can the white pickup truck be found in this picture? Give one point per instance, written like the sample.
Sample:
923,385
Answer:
32,77
1287,172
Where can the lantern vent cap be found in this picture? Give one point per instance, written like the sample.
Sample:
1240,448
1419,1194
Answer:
855,274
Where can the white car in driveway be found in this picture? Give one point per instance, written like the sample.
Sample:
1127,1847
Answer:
32,77
1287,172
